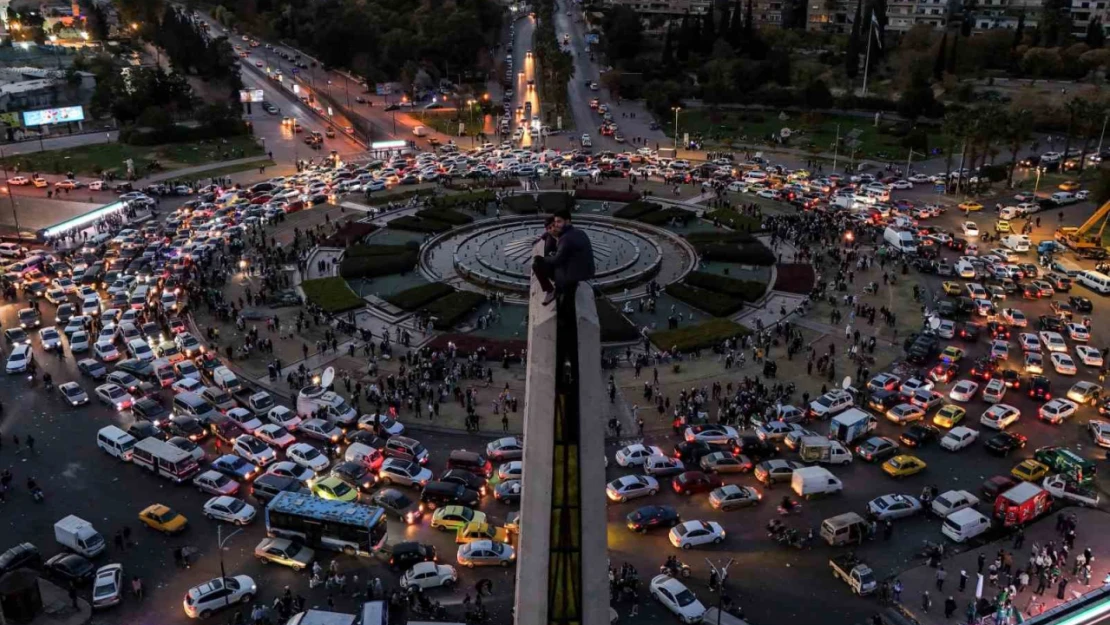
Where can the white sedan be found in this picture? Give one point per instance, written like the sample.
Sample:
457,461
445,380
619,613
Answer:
1053,341
677,598
1089,355
73,394
106,351
1014,317
1100,431
1029,342
901,184
964,390
631,487
229,509
50,338
1057,410
999,416
275,436
1063,364
970,229
245,419
1034,362
693,533
1078,332
285,468
636,455
79,342
254,450
308,457
286,418
959,437
108,586
994,391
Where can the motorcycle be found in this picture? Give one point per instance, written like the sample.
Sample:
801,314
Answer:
682,570
795,508
791,538
929,549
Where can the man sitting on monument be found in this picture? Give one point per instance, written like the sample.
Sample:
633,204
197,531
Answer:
572,262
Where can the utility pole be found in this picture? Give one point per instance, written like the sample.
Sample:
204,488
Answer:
836,147
722,576
867,59
1103,135
220,542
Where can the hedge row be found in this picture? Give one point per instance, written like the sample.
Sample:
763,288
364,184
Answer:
795,278
445,215
379,250
747,290
412,223
723,236
606,195
551,202
747,254
716,304
521,204
331,294
458,199
665,216
419,296
373,266
736,221
450,310
633,210
702,335
375,200
615,327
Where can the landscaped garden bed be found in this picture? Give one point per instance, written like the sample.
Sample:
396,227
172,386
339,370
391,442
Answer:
462,199
412,223
734,220
716,304
747,290
386,198
795,278
731,247
449,216
605,195
331,294
615,327
452,309
419,296
371,261
700,336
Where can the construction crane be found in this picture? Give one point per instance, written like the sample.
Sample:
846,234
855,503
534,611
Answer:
1078,239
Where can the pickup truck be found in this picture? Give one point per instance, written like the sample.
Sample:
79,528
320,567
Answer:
1061,487
855,573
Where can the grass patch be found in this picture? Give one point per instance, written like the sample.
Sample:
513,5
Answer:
92,160
700,238
377,200
747,290
446,122
716,304
331,294
446,215
699,336
734,220
632,210
371,261
419,296
448,311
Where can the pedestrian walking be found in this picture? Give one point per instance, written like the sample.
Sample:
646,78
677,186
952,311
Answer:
949,607
126,535
982,561
119,540
963,580
30,444
73,595
1062,588
897,591
926,601
941,576
137,587
1019,538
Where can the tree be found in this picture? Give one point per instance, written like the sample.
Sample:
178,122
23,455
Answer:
97,22
938,64
1040,62
668,53
816,95
1095,38
1102,187
684,38
1016,133
917,99
708,31
1054,23
851,54
951,61
623,33
736,26
1019,31
1094,115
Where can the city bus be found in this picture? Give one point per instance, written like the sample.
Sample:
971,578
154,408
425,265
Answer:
164,459
353,528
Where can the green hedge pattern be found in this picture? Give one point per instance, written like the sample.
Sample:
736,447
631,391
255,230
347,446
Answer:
331,294
419,296
446,215
716,304
700,336
747,254
371,261
412,223
450,310
736,221
747,290
459,199
375,200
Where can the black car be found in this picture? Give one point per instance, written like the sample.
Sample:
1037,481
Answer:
224,428
1050,323
984,368
918,434
356,474
437,494
1003,443
1080,303
465,478
186,427
1011,378
1040,388
404,555
998,330
150,410
398,504
651,517
146,429
997,485
366,437
690,453
137,368
24,555
970,332
70,568
16,336
753,447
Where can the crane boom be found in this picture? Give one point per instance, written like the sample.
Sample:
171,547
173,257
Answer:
1076,238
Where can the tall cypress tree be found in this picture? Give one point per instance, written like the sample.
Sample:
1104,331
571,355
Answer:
851,53
1095,38
668,53
683,52
736,27
1019,32
748,27
952,55
938,64
708,31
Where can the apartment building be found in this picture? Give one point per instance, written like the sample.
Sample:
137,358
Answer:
665,7
1083,11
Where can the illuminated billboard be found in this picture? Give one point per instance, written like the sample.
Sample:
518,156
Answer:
251,95
53,116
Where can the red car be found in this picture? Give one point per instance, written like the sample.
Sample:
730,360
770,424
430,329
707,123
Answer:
998,331
692,482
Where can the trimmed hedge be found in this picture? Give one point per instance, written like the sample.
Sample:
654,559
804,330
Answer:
371,261
716,304
633,210
747,290
375,200
457,199
702,335
736,221
606,195
615,327
718,237
331,294
419,296
747,254
795,278
445,215
665,215
521,204
551,202
449,310
412,223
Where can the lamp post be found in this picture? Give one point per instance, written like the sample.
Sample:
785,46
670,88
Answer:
1037,185
221,540
8,188
676,109
722,576
1103,135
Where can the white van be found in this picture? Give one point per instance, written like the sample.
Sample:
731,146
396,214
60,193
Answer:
420,131
116,442
965,524
1061,198
755,176
900,240
363,454
1097,282
809,481
1017,242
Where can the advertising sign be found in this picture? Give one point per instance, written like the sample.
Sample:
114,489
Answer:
388,145
53,116
593,38
15,120
251,95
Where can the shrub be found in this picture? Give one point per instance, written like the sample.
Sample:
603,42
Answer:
551,202
449,310
696,238
331,294
412,223
447,201
350,234
445,215
716,304
665,216
521,204
419,296
748,253
371,261
376,200
699,336
615,327
747,290
635,209
736,221
605,195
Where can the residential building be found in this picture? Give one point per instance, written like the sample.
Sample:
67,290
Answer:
902,15
990,14
1083,11
665,7
831,16
31,88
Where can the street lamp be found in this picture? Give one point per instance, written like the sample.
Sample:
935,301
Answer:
676,109
222,540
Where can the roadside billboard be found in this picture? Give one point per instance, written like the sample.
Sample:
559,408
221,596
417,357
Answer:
251,95
53,116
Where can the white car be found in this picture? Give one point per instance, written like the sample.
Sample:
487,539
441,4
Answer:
1089,355
321,430
50,338
286,418
229,509
1053,341
1078,332
1029,342
946,329
1034,362
187,385
19,359
999,416
677,598
1014,317
636,455
106,351
307,456
994,391
275,436
1100,432
286,468
1057,410
776,430
631,487
79,342
1063,364
901,184
107,586
663,465
970,229
253,449
951,501
912,385
959,437
73,394
964,390
905,413
693,533
712,434
1000,350
427,575
216,594
245,419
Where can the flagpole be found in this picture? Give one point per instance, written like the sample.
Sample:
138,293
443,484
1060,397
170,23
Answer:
867,59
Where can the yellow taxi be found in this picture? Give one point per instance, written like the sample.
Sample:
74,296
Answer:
952,288
1030,470
1069,185
1002,225
334,489
949,416
481,531
903,466
164,519
971,206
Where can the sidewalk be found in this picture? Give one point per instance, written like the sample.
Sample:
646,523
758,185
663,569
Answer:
189,172
1088,531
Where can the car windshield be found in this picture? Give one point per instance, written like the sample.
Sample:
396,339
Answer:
685,598
310,453
236,505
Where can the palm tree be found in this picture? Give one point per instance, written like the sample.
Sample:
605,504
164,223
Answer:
957,125
1016,131
1075,109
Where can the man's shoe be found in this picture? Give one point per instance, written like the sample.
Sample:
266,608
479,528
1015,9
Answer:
548,297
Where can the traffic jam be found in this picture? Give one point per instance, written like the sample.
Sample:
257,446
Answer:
312,481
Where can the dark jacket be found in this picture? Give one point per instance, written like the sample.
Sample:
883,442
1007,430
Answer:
574,259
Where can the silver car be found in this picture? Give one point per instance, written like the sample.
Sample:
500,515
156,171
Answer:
74,394
890,507
485,553
502,449
215,483
631,487
725,462
284,552
403,472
